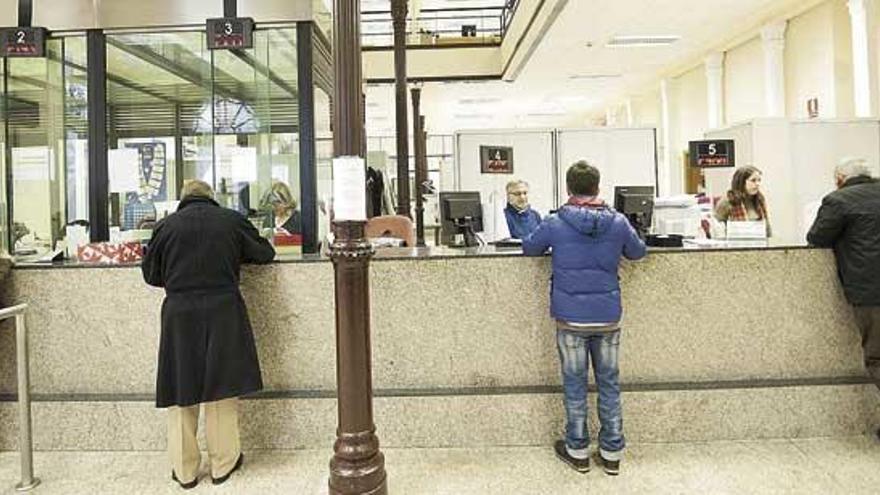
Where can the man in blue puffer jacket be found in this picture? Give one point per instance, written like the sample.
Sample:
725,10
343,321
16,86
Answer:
588,239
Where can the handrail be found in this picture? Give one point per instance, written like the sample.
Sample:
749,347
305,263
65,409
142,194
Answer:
507,15
25,442
490,20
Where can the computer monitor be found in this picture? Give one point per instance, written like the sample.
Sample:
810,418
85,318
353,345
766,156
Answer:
637,204
460,213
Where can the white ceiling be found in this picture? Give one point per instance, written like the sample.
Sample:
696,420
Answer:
572,74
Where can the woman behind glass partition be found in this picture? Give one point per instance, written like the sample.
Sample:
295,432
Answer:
744,201
280,201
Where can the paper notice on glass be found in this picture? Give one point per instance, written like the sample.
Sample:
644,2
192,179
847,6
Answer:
237,164
349,188
124,165
244,165
31,163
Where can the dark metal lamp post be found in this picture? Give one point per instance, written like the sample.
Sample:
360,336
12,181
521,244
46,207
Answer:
398,16
357,466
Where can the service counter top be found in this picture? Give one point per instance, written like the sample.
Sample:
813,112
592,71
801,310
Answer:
444,252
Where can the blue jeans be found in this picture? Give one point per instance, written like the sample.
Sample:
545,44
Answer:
574,348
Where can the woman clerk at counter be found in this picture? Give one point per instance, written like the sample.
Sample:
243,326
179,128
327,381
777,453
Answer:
744,201
283,207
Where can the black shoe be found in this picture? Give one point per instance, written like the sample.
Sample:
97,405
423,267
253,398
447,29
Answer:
611,467
185,486
226,476
579,465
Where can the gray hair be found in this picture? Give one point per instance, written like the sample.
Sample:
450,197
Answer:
196,188
515,183
852,167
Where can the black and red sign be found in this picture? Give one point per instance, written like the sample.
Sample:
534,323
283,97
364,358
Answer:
230,33
712,154
23,42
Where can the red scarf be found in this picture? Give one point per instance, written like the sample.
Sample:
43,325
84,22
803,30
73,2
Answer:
739,213
586,201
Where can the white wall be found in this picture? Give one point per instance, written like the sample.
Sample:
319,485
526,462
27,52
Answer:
744,82
843,62
691,121
624,157
809,63
482,61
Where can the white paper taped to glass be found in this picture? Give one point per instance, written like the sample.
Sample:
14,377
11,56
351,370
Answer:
349,188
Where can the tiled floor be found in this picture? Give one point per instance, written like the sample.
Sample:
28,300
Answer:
827,466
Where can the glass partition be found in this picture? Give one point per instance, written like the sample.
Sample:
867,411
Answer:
44,148
159,95
179,111
175,111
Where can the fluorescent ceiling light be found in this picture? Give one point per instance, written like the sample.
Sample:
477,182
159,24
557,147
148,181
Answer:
546,114
479,101
471,116
581,77
641,41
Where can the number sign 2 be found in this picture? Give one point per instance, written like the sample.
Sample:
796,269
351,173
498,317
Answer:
23,42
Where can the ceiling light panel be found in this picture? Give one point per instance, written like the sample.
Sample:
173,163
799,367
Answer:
641,41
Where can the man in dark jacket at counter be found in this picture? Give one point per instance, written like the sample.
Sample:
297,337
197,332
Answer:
588,239
207,353
849,222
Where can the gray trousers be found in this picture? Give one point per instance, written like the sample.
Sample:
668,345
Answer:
868,320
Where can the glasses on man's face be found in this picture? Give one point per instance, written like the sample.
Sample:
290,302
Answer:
519,193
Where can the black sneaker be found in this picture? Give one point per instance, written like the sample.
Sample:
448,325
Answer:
611,468
579,465
185,486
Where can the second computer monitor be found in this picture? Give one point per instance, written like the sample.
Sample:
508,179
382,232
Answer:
636,203
455,207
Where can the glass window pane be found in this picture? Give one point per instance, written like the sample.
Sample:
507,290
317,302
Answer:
257,133
160,124
44,124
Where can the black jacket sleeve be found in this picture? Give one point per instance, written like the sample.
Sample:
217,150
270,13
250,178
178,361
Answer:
254,249
151,266
830,223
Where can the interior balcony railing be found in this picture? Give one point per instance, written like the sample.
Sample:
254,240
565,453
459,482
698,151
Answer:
441,26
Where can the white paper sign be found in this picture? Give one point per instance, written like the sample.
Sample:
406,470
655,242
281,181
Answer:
244,165
124,169
31,163
237,164
349,188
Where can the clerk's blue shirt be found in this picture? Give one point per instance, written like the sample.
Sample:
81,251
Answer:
521,223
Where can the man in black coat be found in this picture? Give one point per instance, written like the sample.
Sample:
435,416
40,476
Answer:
849,221
207,353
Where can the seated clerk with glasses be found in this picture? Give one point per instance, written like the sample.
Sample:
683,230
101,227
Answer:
522,220
283,206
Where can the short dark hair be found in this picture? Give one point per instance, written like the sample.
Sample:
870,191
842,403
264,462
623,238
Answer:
582,179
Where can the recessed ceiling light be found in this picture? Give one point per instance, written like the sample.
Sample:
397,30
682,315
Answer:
641,41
